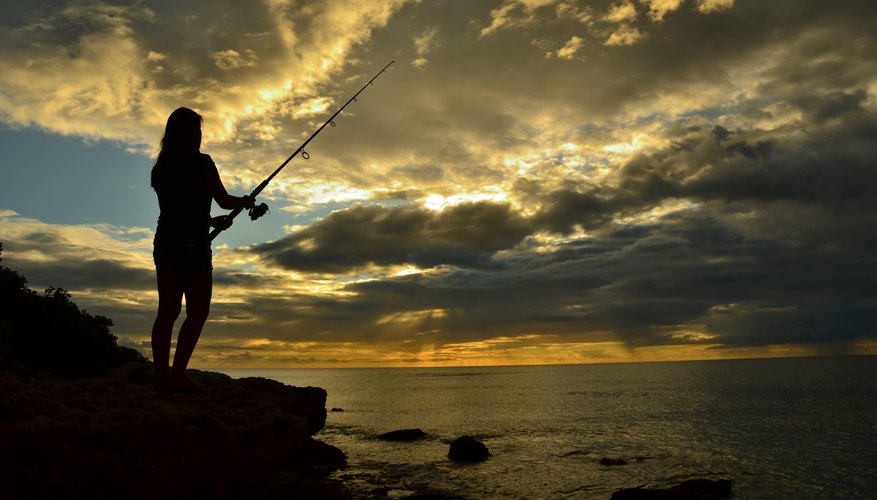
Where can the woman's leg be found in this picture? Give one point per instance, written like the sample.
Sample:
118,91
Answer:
170,297
198,288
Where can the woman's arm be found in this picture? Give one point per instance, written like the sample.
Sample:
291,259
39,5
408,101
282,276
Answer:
225,200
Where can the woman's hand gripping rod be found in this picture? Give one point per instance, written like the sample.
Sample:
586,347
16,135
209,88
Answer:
260,210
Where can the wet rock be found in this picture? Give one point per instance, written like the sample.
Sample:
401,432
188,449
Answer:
468,449
402,435
575,453
320,458
692,489
612,461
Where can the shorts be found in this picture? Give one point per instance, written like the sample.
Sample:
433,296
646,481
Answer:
182,256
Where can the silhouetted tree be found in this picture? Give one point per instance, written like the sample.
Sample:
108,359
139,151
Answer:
49,331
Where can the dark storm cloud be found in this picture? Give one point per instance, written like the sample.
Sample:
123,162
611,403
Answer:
781,235
69,265
831,167
568,209
465,235
237,278
687,271
831,105
826,321
468,313
89,274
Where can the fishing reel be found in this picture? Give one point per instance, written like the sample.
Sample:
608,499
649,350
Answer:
258,211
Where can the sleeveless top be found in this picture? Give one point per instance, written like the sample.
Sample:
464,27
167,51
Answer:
183,188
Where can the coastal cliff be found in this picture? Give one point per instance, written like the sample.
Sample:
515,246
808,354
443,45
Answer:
80,417
113,435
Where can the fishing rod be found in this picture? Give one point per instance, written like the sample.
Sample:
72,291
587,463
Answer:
261,209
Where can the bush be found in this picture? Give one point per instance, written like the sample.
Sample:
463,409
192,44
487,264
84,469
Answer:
49,331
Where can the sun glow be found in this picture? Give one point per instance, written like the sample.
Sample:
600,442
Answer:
333,192
438,202
663,209
412,316
407,271
636,143
313,106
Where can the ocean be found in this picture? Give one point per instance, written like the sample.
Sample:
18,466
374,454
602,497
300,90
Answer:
778,428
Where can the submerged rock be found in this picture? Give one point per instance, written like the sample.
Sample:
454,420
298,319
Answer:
402,435
692,489
114,435
467,449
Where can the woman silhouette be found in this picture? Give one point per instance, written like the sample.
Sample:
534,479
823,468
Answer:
186,182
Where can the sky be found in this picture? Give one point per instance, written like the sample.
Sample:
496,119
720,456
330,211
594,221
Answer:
531,182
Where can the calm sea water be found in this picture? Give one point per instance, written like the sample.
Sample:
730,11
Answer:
778,428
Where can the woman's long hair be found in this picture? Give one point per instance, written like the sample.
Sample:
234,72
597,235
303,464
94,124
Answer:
180,136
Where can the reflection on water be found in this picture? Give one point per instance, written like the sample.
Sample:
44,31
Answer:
804,428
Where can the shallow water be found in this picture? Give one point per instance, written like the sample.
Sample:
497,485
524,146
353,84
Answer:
778,428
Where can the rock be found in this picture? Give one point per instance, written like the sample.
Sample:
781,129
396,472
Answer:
692,489
467,449
308,402
402,435
113,435
612,461
574,453
320,458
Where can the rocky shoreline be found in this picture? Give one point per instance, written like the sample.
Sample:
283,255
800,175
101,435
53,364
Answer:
114,435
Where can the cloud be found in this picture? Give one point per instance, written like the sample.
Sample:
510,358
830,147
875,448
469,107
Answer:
658,9
36,245
108,269
568,51
465,235
76,68
513,13
232,59
115,72
95,274
621,12
625,35
423,45
707,6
